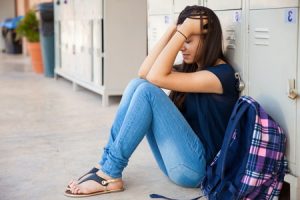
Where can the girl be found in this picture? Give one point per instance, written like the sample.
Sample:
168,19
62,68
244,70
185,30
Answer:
185,130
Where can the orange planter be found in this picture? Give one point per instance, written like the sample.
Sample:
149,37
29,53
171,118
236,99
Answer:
34,49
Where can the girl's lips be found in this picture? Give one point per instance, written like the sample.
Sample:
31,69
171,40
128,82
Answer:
185,55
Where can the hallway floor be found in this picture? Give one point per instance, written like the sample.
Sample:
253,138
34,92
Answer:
50,134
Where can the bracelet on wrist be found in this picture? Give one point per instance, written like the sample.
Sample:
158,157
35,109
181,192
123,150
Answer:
181,34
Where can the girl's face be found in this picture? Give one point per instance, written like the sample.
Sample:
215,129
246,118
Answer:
191,49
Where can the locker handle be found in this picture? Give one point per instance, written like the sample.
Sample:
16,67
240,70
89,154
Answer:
292,89
240,84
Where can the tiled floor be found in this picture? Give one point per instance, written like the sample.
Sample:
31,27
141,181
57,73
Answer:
50,134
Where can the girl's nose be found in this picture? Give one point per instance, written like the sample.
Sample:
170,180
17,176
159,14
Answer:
182,48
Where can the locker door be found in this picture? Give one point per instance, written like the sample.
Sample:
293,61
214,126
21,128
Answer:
67,47
67,8
259,4
232,37
57,11
97,42
223,5
96,9
272,63
157,25
78,9
57,43
86,50
97,53
179,5
158,7
78,58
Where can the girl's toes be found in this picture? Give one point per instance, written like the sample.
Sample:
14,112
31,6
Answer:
71,182
71,185
73,189
77,190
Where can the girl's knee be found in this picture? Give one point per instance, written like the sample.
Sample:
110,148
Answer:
185,176
148,87
137,81
134,84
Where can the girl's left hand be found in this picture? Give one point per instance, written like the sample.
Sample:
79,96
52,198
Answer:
191,26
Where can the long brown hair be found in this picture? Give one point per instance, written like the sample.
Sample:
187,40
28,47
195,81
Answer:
211,48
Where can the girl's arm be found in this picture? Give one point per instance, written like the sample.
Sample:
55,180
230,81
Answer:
161,73
158,47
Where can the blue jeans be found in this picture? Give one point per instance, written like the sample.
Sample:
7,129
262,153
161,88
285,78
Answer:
146,110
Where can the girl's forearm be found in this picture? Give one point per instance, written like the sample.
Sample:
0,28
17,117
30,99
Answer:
154,53
164,63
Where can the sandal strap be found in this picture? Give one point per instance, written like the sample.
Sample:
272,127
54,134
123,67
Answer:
99,180
113,180
92,171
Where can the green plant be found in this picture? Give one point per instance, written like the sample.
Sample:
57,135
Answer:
29,27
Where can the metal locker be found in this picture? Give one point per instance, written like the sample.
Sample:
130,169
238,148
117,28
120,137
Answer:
231,23
157,25
179,5
57,42
158,7
77,60
272,64
96,9
79,9
83,59
86,51
97,52
67,45
57,10
223,5
67,8
266,4
86,9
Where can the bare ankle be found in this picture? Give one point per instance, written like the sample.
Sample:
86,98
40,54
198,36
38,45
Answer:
97,166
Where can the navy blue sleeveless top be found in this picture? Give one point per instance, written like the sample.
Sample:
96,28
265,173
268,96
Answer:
208,113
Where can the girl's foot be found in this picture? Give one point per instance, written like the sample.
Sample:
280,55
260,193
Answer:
94,170
98,183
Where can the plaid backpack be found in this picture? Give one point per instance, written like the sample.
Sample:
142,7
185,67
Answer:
251,162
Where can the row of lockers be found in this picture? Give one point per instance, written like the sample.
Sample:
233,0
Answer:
157,7
78,9
91,49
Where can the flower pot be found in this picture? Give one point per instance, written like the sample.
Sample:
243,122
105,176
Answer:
34,49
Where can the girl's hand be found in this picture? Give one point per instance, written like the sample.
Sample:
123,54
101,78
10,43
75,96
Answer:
191,26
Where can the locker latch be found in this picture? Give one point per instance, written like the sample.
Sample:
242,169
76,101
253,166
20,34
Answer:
292,89
240,85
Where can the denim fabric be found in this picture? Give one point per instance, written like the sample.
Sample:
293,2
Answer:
145,110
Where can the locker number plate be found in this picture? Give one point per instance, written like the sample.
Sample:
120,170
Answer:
291,15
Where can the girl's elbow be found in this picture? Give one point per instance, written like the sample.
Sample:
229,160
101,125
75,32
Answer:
153,79
142,75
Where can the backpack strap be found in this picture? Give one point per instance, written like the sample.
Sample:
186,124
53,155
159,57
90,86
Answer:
236,115
214,177
157,196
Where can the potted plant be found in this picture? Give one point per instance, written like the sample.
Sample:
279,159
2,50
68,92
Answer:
29,28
